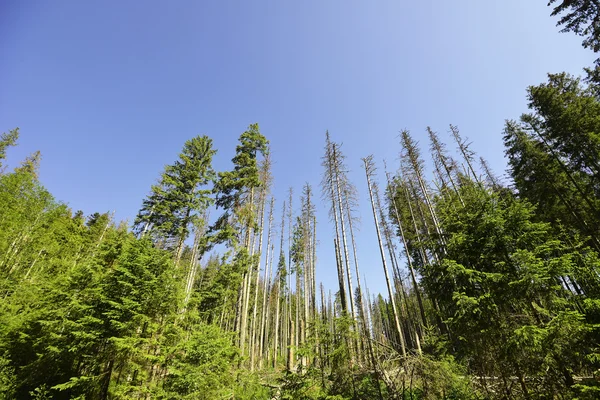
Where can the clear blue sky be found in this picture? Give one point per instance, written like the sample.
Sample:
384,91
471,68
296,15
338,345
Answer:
110,90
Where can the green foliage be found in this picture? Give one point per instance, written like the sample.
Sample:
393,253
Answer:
428,378
510,277
298,248
7,140
581,17
233,186
553,155
180,198
234,190
499,290
299,386
201,366
249,386
7,379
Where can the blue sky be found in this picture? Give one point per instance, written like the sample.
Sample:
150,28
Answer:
109,91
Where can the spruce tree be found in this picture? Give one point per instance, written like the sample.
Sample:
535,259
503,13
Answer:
180,197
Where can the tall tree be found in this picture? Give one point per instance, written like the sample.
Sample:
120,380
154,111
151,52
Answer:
499,288
376,207
554,151
582,18
330,192
180,198
7,140
235,194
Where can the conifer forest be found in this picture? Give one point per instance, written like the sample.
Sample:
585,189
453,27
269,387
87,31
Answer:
492,278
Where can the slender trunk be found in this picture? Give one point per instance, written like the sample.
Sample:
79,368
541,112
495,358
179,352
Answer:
106,379
253,346
276,330
267,284
356,268
290,356
194,262
245,295
305,281
369,170
279,278
290,336
268,325
408,258
297,312
313,280
182,236
340,271
328,185
343,229
396,270
33,263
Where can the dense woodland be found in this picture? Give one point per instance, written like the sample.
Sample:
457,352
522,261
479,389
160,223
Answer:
493,285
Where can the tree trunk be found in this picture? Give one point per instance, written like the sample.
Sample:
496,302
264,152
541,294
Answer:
343,229
253,346
369,170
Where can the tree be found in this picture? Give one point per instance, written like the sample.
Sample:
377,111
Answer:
235,194
376,207
564,114
581,17
334,184
26,208
499,289
202,366
554,154
31,164
180,197
233,187
7,140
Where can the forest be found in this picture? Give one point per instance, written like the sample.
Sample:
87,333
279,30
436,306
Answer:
493,285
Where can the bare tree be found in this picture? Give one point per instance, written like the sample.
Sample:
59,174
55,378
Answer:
376,206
